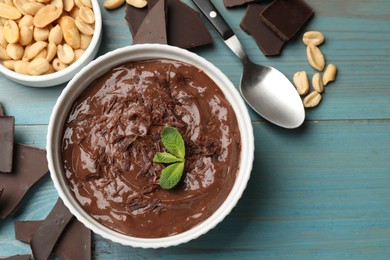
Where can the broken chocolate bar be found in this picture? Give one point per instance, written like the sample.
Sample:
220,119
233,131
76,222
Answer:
17,257
267,40
29,167
153,28
45,238
74,243
1,110
7,124
235,3
286,17
185,29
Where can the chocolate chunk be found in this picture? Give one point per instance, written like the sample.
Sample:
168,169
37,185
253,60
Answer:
29,167
45,238
24,230
235,3
153,28
267,40
17,257
185,29
286,17
7,124
74,243
1,110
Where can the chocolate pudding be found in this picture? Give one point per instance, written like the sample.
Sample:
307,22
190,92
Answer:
113,132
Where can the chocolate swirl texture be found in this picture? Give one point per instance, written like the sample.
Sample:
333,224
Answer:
113,132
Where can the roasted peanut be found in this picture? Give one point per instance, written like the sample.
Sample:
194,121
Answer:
65,53
41,54
83,27
9,64
137,3
70,32
58,65
15,51
3,54
86,15
317,83
3,41
313,37
68,5
9,12
113,4
85,40
55,35
46,15
11,31
26,20
38,67
312,100
74,13
51,51
41,34
21,67
26,35
329,74
301,82
315,57
58,3
19,5
36,48
32,8
78,53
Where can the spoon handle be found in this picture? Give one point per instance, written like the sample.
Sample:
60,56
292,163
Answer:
214,17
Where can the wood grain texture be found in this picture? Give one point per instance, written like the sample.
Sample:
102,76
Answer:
318,192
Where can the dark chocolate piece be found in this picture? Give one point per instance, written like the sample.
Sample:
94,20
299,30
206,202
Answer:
185,29
235,3
153,28
267,40
1,110
74,243
29,167
17,257
7,127
286,17
45,238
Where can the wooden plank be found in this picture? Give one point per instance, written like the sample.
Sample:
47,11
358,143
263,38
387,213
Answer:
322,191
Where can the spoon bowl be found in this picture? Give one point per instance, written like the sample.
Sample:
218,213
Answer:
265,89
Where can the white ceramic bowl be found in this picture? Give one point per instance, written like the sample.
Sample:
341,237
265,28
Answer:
66,74
97,68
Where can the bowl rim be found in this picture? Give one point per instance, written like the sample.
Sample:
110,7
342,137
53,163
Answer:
129,53
72,68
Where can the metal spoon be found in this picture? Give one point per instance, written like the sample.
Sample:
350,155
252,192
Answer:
264,88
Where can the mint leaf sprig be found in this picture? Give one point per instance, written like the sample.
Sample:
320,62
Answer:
175,157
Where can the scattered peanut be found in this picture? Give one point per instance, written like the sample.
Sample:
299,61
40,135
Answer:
301,82
312,100
113,4
137,3
317,83
329,74
44,36
313,37
315,57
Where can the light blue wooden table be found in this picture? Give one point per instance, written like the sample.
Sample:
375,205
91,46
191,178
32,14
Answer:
318,192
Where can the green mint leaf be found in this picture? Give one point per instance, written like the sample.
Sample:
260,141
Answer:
171,175
173,142
165,158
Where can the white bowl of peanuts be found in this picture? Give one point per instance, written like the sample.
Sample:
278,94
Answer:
45,43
